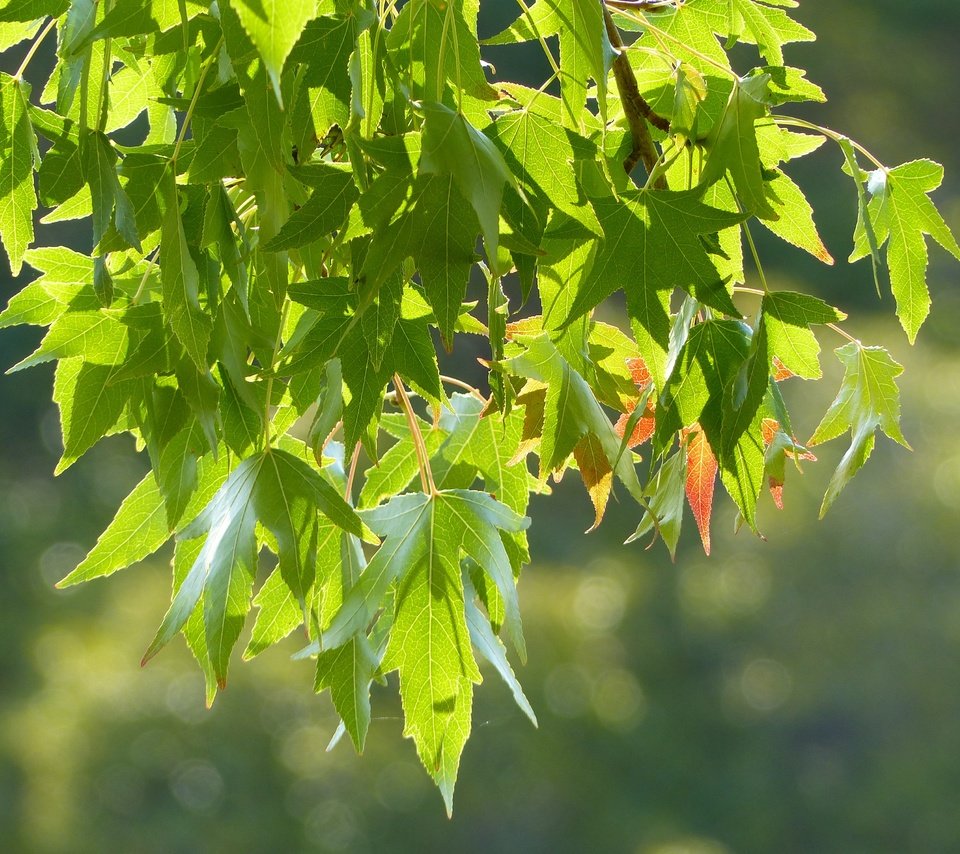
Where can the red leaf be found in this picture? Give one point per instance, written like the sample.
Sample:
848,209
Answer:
638,371
781,371
643,429
701,479
776,490
768,429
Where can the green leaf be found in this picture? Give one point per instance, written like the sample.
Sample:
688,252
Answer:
96,335
452,146
652,244
288,495
543,156
430,646
323,212
868,399
489,646
125,19
439,42
223,571
137,531
324,50
733,147
31,10
279,614
666,491
91,404
771,28
794,222
901,211
787,318
283,493
18,154
274,26
181,284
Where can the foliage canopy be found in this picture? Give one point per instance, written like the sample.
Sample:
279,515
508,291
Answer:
292,203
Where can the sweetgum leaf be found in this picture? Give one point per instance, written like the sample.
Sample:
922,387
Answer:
274,26
787,318
868,399
452,146
901,211
137,531
666,490
733,147
585,49
18,154
652,245
701,479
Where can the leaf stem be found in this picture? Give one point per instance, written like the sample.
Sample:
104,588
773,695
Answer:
832,135
34,47
547,53
843,334
423,458
151,260
756,256
465,386
348,491
193,102
103,108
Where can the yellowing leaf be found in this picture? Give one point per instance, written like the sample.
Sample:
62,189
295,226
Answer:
595,472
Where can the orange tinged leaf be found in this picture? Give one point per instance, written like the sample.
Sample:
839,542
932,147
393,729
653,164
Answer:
701,479
596,473
768,429
780,371
787,447
638,371
776,490
643,429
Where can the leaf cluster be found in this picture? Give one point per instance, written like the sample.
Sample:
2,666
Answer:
292,204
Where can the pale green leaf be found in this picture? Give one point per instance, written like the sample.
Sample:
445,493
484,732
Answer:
18,154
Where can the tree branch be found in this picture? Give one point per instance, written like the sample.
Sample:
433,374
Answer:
637,110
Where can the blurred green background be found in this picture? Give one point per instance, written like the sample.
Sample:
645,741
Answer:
796,695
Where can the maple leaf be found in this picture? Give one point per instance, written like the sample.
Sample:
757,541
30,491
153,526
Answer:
701,479
868,399
902,211
596,474
632,258
570,412
780,446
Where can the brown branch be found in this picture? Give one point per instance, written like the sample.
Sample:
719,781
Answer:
637,110
644,5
